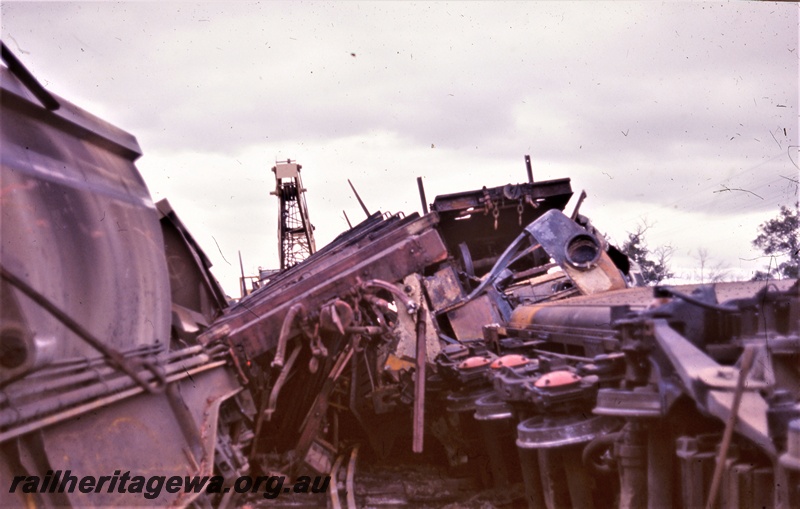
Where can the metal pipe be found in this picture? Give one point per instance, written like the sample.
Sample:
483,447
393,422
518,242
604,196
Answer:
238,366
31,83
501,264
378,302
535,271
44,421
59,401
92,375
114,356
575,212
528,168
366,330
584,317
354,341
369,372
525,252
419,384
79,363
422,195
335,431
276,389
286,329
350,482
599,445
363,207
410,305
747,363
631,454
577,358
49,380
242,284
313,419
334,492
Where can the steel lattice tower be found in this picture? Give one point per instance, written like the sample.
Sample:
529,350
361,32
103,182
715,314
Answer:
295,232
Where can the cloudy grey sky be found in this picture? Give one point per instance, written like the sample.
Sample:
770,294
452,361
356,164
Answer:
683,115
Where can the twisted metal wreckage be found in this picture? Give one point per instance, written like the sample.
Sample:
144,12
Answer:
494,338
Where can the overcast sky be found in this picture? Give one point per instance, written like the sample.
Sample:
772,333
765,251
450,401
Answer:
683,115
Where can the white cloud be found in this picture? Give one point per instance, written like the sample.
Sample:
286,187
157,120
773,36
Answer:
675,111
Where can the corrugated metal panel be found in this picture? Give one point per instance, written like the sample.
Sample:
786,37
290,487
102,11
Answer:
78,225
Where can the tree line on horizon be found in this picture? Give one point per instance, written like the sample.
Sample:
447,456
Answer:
778,239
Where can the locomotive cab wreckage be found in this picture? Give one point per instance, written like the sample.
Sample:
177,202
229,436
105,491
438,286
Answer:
502,347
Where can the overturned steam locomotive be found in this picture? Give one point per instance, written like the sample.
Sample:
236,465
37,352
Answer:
495,350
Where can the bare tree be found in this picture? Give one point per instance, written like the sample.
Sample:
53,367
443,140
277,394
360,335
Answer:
654,263
710,271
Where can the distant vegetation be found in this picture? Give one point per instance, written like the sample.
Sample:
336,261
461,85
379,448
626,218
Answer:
654,263
779,240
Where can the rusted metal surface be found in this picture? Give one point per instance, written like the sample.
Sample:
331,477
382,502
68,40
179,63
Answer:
400,248
468,319
444,288
492,328
419,384
69,187
95,328
487,220
578,252
406,330
197,298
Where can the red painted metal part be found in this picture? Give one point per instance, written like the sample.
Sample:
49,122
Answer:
512,361
474,362
561,378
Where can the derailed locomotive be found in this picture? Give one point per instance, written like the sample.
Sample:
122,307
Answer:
495,338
